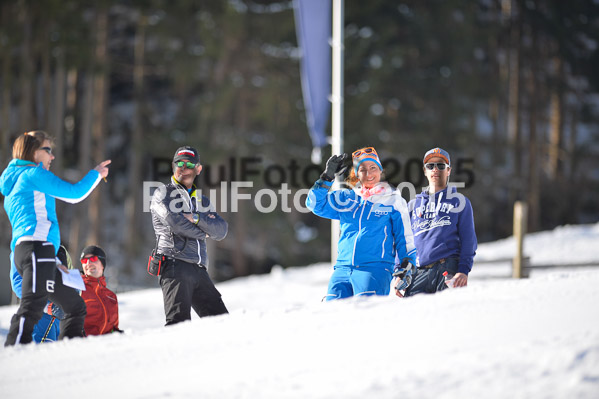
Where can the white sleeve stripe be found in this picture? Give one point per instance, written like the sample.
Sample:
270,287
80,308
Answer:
402,207
84,196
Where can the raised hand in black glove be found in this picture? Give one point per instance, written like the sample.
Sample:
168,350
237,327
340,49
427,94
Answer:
335,166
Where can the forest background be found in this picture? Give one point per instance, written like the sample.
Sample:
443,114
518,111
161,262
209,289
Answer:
509,87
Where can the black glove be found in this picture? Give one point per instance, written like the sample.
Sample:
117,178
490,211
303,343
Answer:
336,165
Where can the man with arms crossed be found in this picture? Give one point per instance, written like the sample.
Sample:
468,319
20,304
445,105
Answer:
182,221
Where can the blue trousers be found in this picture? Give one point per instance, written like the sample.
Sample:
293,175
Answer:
349,281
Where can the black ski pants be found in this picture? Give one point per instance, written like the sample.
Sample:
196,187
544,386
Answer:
429,279
185,286
42,281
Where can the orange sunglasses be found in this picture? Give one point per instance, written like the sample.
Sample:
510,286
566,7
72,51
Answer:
364,151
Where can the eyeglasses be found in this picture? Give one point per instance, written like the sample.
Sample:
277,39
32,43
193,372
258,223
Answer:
47,149
439,165
91,258
189,165
364,151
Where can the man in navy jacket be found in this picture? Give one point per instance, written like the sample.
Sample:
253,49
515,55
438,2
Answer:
443,228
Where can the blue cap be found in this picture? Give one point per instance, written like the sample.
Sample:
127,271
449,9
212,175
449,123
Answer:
437,153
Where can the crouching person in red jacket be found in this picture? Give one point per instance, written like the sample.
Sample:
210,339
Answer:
102,304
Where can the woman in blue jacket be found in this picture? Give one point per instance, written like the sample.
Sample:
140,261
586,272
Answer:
374,223
30,189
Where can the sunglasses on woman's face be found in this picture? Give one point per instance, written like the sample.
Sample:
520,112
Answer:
47,149
439,165
362,151
91,258
188,165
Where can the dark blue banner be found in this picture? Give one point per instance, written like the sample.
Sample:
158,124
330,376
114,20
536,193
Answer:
313,27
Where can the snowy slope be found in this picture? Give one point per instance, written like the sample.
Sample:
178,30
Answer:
534,338
564,244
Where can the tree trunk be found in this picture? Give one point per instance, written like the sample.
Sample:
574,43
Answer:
572,142
5,148
69,143
79,236
239,258
58,112
132,208
556,123
534,185
5,128
100,102
27,119
44,51
72,98
513,125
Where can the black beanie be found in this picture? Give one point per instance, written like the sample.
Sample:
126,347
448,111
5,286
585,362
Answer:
94,250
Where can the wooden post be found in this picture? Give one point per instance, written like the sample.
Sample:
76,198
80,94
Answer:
520,211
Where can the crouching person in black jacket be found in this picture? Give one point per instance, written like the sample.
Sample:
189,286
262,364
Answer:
182,221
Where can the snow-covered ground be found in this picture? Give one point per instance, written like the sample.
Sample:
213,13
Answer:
498,338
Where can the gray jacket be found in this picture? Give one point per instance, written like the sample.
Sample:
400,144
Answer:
177,237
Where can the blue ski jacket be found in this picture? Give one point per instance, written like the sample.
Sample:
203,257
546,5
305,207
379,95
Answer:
30,192
443,227
373,230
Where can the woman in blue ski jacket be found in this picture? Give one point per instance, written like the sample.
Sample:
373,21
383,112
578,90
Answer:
374,223
30,190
